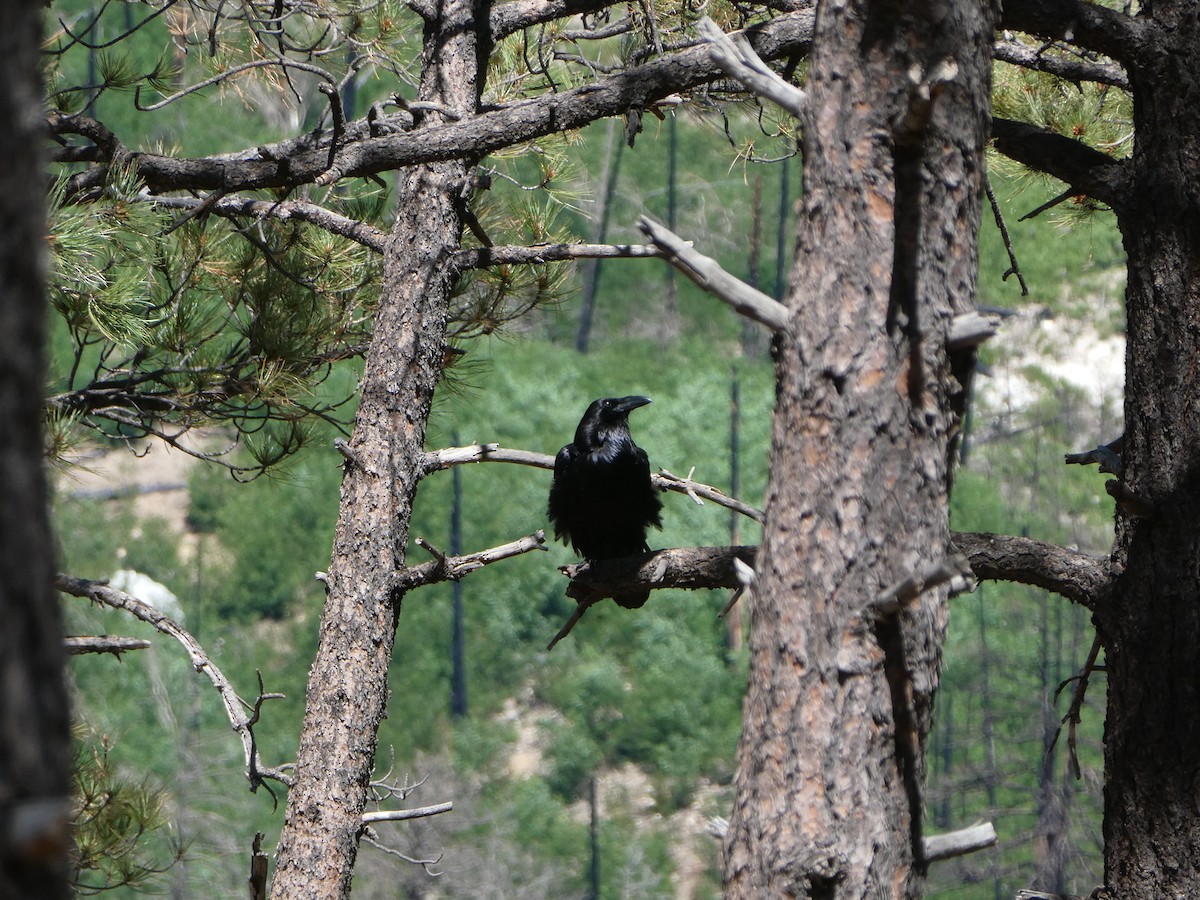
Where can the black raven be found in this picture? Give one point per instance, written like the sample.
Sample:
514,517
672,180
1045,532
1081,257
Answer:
601,499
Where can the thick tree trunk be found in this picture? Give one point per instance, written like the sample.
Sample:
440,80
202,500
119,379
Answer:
1150,623
35,742
347,688
828,801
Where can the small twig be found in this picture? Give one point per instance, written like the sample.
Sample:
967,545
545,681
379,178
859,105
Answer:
580,608
1075,713
348,452
708,274
339,120
998,215
1051,203
537,254
371,837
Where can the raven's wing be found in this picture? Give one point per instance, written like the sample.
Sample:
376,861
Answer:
559,507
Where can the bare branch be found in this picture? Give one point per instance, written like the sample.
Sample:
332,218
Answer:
953,569
1072,69
708,274
970,330
454,456
283,210
737,59
452,568
235,707
1013,267
1077,576
959,843
400,815
103,644
483,257
1088,25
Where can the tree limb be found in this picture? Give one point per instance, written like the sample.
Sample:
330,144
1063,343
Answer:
483,257
1086,170
1069,68
707,273
738,60
400,815
452,568
103,644
959,843
235,707
303,161
1077,576
663,481
1090,26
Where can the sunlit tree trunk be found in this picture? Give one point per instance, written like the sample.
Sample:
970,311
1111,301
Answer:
831,760
347,688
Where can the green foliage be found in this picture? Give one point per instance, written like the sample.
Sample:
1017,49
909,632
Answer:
121,827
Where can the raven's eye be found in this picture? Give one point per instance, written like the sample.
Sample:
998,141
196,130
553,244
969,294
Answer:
607,404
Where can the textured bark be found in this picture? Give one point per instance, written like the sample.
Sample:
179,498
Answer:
831,765
35,749
347,688
1151,623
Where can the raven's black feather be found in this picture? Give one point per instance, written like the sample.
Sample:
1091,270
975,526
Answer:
601,498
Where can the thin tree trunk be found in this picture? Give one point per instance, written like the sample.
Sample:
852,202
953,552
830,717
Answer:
35,743
831,761
347,688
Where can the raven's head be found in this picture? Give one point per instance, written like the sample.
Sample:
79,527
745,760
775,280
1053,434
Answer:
605,419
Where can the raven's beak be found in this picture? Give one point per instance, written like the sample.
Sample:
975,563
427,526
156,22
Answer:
628,404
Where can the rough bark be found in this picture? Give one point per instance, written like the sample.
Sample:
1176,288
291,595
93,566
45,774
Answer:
35,750
1151,623
347,688
828,793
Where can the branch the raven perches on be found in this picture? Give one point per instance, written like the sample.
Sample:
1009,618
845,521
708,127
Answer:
601,498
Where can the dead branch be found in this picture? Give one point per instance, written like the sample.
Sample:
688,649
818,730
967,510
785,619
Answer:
959,843
953,569
482,257
1075,713
737,59
455,456
235,707
1106,456
400,815
103,644
1013,267
707,273
452,568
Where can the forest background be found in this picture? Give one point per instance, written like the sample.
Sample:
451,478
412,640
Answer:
645,703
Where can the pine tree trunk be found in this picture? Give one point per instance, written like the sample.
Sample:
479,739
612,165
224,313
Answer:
35,742
1150,624
347,688
828,793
